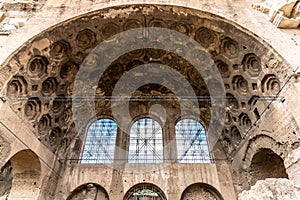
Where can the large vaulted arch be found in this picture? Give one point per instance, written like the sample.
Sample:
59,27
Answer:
54,57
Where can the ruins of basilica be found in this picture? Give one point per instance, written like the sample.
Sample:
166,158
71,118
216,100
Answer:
149,99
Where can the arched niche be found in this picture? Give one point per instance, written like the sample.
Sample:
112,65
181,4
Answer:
89,191
145,191
266,164
201,191
26,172
263,141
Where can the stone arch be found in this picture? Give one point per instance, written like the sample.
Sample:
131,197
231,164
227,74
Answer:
26,173
263,159
201,191
63,48
145,190
259,142
89,191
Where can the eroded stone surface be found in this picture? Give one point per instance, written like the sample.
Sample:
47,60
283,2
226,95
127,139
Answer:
5,147
272,189
6,180
89,192
198,192
283,14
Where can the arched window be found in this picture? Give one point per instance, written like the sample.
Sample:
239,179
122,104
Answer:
145,191
191,142
201,191
100,142
146,142
89,191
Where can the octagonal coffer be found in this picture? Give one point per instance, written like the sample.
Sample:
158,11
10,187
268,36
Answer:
59,104
240,84
231,102
86,39
49,86
183,28
17,86
45,123
68,70
129,24
270,83
245,121
235,135
33,108
109,29
37,66
206,37
230,47
223,68
60,49
55,136
252,64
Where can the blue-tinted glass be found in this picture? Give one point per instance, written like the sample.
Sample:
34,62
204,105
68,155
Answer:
146,143
100,142
191,142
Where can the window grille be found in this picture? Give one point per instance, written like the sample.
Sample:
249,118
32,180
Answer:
146,142
100,142
145,192
191,142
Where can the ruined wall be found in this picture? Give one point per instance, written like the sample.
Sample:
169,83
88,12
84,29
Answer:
26,172
5,147
272,188
265,164
6,180
171,179
283,14
279,133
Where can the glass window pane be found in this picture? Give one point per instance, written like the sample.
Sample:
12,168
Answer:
191,142
146,142
100,142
